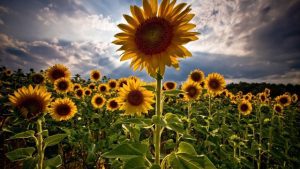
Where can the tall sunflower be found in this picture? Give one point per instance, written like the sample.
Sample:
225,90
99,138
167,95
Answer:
92,86
154,36
112,104
215,83
284,100
63,109
76,86
31,102
63,85
98,101
245,107
57,71
95,75
135,99
170,85
197,76
87,91
192,90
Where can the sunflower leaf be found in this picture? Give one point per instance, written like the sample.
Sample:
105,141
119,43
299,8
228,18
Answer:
54,139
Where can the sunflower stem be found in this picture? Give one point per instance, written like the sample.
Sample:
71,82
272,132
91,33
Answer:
158,113
40,144
189,117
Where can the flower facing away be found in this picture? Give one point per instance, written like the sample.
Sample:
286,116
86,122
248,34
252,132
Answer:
95,75
37,78
98,101
112,104
284,100
154,36
197,76
57,71
62,85
192,90
112,84
63,109
215,83
32,102
135,99
245,107
170,85
278,108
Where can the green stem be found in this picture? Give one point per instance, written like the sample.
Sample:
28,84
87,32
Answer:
260,139
189,118
158,112
40,144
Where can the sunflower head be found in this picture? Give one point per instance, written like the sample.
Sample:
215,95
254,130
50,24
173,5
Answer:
197,76
98,101
283,100
87,92
63,85
263,97
154,36
170,85
215,83
267,91
245,107
112,104
79,93
135,99
121,82
37,78
95,75
278,108
8,72
112,84
192,90
32,102
103,88
57,71
92,86
294,98
63,109
76,86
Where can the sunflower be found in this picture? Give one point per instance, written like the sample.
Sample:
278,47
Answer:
192,90
103,88
95,75
63,109
267,91
170,85
112,84
284,100
8,72
57,71
215,83
79,93
155,37
121,82
98,101
294,98
133,78
263,97
87,92
92,86
278,108
112,104
135,99
62,85
37,78
197,76
245,107
32,102
76,86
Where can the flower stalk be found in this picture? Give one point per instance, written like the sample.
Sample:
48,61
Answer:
158,112
40,144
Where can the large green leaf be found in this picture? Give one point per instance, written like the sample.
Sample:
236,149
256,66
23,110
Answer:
54,139
173,122
20,154
30,163
54,162
127,150
135,163
25,134
187,161
187,148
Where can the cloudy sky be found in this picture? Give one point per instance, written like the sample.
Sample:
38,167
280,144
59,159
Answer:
245,40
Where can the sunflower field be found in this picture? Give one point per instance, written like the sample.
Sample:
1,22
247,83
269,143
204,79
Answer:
55,119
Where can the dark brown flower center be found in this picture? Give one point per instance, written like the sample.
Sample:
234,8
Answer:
123,83
79,93
263,98
103,88
99,100
57,73
170,85
244,107
87,92
96,75
63,109
63,85
214,84
113,104
31,107
196,77
112,84
37,79
154,36
135,97
76,87
283,100
278,109
92,86
191,91
181,95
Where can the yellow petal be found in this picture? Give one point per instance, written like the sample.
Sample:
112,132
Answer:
139,14
154,6
126,28
131,20
147,9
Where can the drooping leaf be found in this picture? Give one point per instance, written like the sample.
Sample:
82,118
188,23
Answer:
20,154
